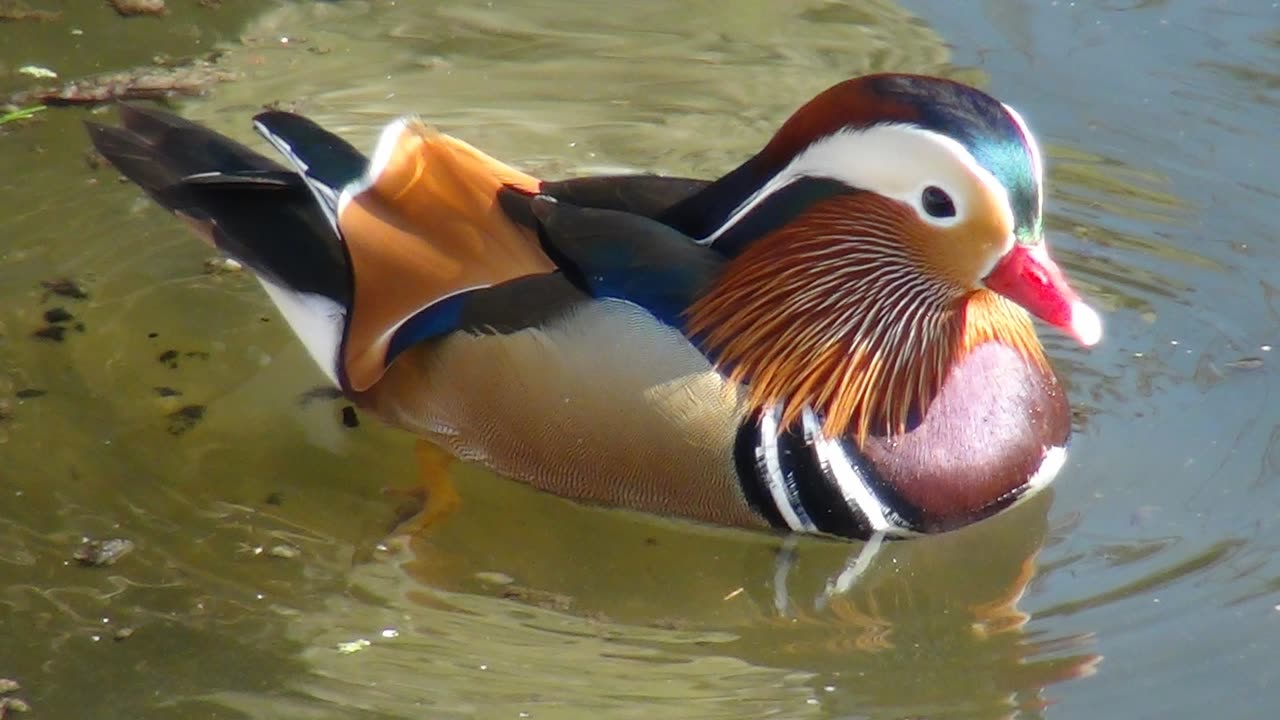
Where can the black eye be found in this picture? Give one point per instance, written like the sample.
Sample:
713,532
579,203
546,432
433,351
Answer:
937,202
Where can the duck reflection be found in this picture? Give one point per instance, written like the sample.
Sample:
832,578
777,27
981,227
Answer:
882,628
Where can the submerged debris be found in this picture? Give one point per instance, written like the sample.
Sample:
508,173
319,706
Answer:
100,553
64,287
545,599
55,333
57,315
185,418
349,417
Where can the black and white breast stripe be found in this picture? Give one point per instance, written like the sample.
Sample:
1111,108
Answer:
802,481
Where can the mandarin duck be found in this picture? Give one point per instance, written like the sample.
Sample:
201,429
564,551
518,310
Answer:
833,338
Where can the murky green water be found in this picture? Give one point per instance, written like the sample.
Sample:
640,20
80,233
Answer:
1147,586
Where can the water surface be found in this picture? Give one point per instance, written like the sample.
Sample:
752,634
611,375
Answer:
1145,586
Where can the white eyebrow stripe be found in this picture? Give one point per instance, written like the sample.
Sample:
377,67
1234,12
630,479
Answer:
894,160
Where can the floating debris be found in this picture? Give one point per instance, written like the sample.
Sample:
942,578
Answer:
16,11
169,358
494,577
284,552
100,553
353,646
1245,363
165,391
38,72
28,393
130,8
145,83
13,704
222,265
20,114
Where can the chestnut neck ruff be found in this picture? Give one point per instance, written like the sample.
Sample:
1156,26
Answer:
841,312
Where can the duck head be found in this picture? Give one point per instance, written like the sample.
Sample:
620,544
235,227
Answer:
891,225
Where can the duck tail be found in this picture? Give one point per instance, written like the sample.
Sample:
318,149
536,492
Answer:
278,222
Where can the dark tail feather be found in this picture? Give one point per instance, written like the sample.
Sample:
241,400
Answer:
252,208
327,162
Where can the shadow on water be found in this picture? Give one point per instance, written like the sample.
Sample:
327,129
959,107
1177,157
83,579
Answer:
185,418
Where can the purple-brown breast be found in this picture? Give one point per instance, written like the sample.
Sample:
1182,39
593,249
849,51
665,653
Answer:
983,438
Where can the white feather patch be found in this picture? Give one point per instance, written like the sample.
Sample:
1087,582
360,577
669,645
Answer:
316,320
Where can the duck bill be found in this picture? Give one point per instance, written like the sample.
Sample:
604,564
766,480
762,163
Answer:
1029,277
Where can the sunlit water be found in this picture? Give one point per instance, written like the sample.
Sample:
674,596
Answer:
1144,587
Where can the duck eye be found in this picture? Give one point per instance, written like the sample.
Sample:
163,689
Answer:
937,202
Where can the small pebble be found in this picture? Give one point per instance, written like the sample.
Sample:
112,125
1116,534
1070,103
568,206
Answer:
7,686
13,704
123,634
